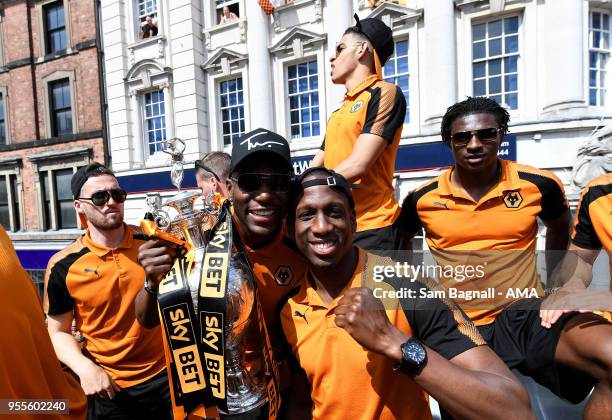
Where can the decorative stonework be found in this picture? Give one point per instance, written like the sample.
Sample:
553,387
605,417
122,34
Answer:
146,74
396,16
223,60
297,40
277,15
594,158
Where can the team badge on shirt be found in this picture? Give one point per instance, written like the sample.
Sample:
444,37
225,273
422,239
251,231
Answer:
356,106
283,275
513,199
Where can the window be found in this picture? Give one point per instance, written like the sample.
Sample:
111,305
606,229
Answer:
232,109
2,119
155,120
396,71
495,54
61,110
55,27
233,12
599,55
57,199
146,8
303,88
9,203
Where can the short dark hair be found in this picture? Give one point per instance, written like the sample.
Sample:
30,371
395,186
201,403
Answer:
83,174
217,163
474,105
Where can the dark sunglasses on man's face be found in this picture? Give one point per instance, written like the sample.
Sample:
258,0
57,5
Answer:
253,182
100,198
486,135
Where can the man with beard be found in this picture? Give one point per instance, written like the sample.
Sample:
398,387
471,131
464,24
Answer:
95,281
366,360
258,186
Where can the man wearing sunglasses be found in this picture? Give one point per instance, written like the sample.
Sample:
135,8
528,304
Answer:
258,186
363,136
95,281
212,172
486,210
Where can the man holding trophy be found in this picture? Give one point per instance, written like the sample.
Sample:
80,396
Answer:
259,183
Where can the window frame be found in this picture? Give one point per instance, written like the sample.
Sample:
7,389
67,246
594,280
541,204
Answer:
7,125
218,82
280,63
40,9
215,17
305,60
138,24
144,119
11,169
216,74
45,163
519,54
409,74
599,51
47,83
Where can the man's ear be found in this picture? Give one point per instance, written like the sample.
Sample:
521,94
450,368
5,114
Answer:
229,187
77,206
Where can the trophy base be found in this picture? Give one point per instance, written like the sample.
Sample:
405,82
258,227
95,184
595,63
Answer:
246,410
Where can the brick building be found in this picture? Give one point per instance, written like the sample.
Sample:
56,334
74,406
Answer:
51,119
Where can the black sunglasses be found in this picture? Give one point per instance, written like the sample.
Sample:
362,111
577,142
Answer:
253,182
100,198
199,164
486,135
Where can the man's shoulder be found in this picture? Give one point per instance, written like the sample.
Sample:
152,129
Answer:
600,181
597,188
537,176
68,256
386,89
429,187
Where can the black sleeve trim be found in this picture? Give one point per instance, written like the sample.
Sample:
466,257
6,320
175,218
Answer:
584,234
391,122
409,220
439,323
553,204
60,300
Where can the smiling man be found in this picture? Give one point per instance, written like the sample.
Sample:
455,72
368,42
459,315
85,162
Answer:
258,185
95,281
363,135
368,361
490,214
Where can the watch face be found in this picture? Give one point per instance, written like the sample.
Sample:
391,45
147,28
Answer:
415,352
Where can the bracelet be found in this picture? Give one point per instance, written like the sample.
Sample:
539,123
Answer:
152,292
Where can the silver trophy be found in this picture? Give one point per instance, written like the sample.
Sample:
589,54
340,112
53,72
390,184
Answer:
245,388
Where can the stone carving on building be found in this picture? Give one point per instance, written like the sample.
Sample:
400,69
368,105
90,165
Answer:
594,158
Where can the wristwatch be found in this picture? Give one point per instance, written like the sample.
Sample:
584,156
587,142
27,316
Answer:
414,357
